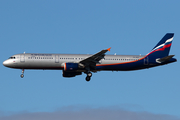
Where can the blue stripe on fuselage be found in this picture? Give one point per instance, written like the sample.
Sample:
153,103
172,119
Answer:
123,66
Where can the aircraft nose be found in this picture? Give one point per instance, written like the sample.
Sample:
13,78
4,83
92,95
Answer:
5,63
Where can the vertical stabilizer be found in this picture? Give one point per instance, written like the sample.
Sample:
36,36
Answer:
163,47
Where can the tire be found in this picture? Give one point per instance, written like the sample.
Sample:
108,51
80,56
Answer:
88,79
21,75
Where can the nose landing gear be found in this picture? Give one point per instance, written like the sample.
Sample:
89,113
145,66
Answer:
22,75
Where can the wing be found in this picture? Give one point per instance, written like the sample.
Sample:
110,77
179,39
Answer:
91,61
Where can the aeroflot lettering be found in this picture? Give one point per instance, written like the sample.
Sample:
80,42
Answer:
41,54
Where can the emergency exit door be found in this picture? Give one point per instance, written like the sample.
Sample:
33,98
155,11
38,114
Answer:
56,58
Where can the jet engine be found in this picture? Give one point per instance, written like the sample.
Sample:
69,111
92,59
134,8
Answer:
73,66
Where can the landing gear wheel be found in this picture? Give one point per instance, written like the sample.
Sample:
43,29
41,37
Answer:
21,75
88,78
89,74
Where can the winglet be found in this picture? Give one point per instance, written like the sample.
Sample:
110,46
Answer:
109,49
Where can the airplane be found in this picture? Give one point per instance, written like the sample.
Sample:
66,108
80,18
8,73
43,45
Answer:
76,64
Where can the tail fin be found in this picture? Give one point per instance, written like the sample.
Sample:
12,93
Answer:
163,47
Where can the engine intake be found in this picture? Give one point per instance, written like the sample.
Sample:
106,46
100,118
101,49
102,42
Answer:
70,66
73,66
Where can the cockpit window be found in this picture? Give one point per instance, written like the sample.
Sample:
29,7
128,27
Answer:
12,58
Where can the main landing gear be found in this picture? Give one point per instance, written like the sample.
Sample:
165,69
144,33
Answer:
88,77
22,75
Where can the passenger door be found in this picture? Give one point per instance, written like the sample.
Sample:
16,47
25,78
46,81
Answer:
146,61
22,58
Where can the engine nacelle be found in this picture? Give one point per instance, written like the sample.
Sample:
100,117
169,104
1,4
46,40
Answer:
71,74
71,66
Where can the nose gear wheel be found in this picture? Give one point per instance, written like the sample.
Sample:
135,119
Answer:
22,75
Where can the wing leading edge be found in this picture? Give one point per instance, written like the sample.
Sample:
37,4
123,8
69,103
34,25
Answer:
91,61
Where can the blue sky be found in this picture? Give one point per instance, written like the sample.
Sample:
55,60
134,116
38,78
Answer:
86,27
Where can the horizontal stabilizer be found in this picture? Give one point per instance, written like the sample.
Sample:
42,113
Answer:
164,59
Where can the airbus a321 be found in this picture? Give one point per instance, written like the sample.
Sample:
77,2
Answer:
76,64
